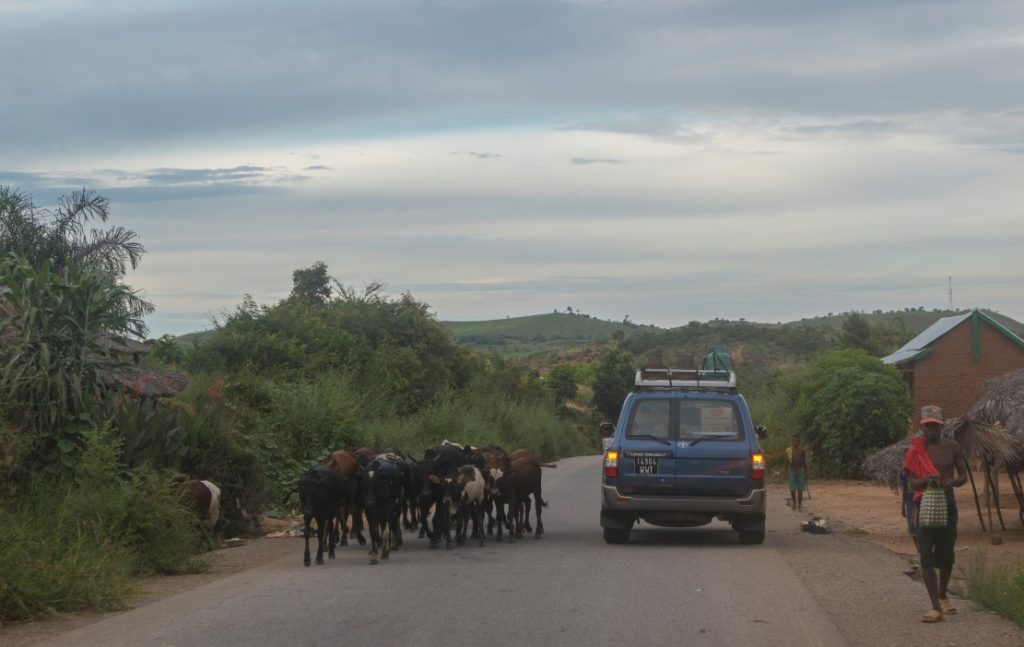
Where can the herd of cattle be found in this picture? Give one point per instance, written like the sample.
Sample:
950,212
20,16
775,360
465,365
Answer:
453,486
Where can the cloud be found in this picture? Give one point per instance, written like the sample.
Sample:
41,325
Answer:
584,161
481,156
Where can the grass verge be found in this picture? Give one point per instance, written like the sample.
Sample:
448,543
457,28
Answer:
998,588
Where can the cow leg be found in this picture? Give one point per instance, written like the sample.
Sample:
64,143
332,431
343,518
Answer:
332,537
321,531
343,525
371,520
526,514
357,524
305,535
539,503
478,520
513,517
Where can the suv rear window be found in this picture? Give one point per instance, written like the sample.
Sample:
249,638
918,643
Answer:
690,419
709,419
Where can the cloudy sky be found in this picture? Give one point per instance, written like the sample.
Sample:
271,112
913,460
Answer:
669,160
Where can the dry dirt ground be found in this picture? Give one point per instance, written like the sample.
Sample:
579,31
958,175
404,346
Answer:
863,509
872,511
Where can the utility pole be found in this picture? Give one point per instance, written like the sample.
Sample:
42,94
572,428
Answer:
950,292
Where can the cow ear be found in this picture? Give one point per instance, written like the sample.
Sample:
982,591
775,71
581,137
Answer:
433,478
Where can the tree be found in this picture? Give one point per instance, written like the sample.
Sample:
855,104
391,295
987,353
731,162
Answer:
60,235
857,332
613,381
167,350
52,352
312,285
852,405
563,382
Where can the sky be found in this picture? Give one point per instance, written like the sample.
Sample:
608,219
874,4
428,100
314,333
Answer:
664,160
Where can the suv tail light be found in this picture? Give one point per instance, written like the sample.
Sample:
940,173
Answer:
611,464
757,467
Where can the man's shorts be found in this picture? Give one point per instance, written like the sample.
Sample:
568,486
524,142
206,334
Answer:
798,480
936,544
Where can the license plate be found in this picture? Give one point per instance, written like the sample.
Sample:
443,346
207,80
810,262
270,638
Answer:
645,465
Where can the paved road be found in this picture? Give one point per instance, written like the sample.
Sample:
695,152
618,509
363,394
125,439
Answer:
699,587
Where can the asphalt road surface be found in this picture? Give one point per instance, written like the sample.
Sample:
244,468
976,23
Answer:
666,587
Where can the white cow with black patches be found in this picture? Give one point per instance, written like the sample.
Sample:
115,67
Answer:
468,491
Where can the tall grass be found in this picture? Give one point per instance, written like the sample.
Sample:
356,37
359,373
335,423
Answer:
480,418
999,588
77,544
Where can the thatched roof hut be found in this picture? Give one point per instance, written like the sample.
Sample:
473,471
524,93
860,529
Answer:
142,381
993,429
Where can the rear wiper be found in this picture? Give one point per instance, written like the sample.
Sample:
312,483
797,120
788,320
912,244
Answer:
650,437
691,443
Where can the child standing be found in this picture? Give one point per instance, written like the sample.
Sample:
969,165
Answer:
796,467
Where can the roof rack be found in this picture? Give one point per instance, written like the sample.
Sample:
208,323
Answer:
685,378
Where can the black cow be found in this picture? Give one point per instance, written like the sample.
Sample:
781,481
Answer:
382,490
438,467
321,491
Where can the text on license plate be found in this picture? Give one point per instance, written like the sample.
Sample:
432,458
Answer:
645,464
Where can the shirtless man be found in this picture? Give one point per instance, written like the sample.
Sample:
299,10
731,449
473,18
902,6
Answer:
796,465
936,545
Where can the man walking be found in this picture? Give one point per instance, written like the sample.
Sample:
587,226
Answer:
932,458
796,466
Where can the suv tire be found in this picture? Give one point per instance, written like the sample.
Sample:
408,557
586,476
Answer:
616,536
752,537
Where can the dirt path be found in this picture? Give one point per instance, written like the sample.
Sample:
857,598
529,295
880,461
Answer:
872,511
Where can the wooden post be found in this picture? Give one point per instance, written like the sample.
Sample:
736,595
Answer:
977,504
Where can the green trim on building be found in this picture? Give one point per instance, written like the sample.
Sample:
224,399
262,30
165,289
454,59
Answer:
1001,328
976,336
925,352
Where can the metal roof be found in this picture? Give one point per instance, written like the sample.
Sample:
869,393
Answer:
919,344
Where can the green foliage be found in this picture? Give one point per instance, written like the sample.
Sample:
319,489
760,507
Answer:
51,355
997,588
150,432
880,339
563,383
167,351
613,380
228,448
857,332
528,336
58,237
76,544
850,406
312,285
480,417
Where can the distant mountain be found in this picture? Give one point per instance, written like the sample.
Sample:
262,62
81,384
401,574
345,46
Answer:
537,334
914,319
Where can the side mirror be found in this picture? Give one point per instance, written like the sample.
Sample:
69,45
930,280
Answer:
607,430
761,431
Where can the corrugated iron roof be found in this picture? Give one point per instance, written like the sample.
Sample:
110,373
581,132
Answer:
918,344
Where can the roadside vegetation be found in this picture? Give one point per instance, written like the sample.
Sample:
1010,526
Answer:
998,588
94,438
91,447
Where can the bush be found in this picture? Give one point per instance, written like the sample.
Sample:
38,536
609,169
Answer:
997,588
850,406
76,544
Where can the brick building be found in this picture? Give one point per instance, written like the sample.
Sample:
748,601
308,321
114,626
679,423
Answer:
949,362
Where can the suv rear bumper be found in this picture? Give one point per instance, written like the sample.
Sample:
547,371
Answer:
614,501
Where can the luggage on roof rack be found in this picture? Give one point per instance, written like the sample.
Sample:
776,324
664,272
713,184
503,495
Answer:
717,373
685,378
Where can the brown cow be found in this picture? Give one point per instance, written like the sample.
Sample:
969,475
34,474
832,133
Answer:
203,499
526,480
345,464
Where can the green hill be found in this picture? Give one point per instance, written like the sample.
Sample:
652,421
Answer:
913,319
537,334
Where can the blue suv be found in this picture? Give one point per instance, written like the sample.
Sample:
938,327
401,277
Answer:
684,452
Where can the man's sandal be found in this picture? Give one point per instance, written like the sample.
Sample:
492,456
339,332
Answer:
933,615
947,607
